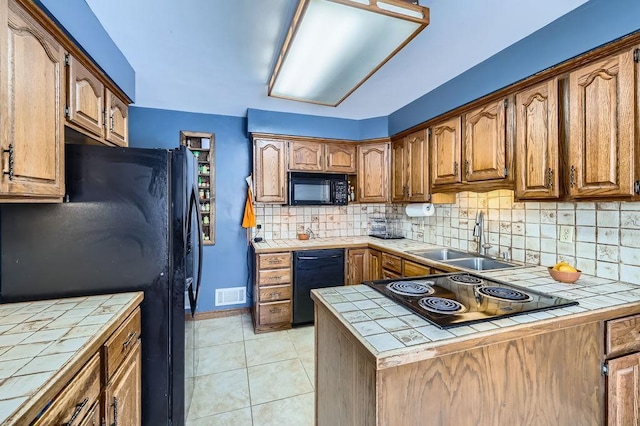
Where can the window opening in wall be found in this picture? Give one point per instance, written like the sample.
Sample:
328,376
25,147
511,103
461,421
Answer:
202,145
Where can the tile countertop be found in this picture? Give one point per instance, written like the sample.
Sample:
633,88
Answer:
40,340
394,335
401,245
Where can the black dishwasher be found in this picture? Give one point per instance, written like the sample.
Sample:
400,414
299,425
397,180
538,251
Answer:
314,269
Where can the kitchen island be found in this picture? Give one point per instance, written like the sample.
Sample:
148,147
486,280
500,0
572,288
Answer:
61,359
379,364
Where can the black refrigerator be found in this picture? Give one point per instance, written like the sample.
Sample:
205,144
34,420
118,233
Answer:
130,221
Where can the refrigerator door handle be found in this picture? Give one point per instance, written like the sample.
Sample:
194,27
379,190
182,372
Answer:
193,206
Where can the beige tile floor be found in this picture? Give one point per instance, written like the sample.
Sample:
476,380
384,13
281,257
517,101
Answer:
248,379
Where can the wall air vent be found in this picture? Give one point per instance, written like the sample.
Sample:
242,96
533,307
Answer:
230,296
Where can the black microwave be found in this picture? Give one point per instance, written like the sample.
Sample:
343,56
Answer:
318,189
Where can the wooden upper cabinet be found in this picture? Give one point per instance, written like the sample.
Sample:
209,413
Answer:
485,143
398,171
537,163
270,171
373,172
340,158
117,127
602,126
446,145
623,393
92,108
86,98
306,156
32,109
410,168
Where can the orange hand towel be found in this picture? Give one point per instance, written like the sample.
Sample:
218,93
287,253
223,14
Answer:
249,219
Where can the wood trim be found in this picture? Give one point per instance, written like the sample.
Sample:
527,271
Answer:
199,316
43,19
288,138
560,70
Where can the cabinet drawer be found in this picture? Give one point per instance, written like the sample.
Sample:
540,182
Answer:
392,263
412,269
274,260
275,276
274,312
275,292
78,397
389,275
121,342
623,335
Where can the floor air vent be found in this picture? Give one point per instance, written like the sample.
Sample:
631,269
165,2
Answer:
230,296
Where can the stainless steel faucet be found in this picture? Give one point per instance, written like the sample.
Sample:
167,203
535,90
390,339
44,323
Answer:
478,233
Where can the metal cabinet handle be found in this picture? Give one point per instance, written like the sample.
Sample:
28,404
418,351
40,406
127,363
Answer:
466,167
115,411
455,167
11,161
112,123
572,176
76,412
274,261
130,338
275,310
550,178
276,277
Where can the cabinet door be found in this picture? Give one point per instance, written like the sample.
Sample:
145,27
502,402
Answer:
373,172
32,110
416,148
374,265
602,125
356,264
123,393
306,156
446,145
537,142
118,120
85,98
623,392
412,269
486,143
340,158
269,171
398,171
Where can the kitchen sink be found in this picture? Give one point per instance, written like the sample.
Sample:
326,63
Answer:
442,254
480,264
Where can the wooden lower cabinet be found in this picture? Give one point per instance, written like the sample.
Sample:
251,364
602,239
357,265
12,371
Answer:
123,392
273,290
510,382
412,269
374,264
357,267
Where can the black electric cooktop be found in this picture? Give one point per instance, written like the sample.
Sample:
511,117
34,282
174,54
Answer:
450,300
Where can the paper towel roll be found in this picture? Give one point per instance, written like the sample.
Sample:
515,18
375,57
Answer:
420,210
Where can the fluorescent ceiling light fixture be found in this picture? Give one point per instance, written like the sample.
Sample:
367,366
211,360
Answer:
333,46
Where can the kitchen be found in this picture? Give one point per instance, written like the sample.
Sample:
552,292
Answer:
604,233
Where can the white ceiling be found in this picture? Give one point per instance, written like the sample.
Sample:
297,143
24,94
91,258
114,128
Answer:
215,56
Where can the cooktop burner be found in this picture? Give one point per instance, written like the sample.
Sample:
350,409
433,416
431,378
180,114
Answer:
465,279
440,305
504,293
451,300
411,288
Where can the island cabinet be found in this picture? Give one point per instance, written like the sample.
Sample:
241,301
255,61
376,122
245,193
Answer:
537,162
602,139
92,108
272,309
548,377
269,170
373,172
32,109
622,369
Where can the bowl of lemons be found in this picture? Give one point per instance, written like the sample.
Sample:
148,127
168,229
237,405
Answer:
564,272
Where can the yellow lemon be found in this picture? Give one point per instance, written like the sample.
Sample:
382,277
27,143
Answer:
567,268
558,265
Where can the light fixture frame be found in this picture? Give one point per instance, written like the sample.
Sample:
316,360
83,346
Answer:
373,7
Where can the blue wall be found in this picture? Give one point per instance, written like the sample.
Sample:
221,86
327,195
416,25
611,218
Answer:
590,25
77,18
225,263
284,123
